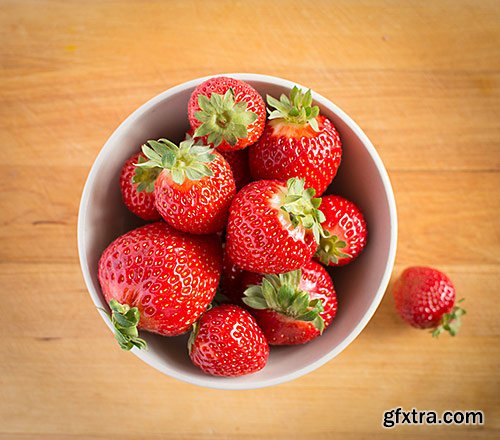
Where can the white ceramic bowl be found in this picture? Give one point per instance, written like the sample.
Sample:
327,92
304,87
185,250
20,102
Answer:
360,285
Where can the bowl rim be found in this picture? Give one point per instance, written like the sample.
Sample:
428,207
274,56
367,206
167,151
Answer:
233,383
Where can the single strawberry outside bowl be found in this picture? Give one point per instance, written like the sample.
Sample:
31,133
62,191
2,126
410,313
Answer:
360,285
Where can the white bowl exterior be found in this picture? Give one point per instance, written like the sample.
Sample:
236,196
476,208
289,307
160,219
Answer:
360,285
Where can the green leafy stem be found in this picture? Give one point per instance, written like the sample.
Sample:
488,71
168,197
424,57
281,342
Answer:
281,293
125,320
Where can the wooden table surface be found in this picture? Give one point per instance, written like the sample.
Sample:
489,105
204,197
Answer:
421,78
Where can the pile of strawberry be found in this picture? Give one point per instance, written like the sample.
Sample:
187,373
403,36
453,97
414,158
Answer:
236,209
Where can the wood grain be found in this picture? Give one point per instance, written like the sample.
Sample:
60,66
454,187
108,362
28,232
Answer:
421,78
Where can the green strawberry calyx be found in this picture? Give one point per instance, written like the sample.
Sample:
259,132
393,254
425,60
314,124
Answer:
450,322
188,160
282,294
145,177
125,320
331,250
302,208
223,119
296,109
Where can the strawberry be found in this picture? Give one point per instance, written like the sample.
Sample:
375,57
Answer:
274,227
238,161
138,201
194,188
297,142
294,307
347,231
227,341
158,279
227,113
425,298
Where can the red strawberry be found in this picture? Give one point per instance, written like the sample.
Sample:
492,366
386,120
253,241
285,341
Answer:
238,161
425,298
273,227
347,228
194,188
138,196
297,142
227,341
227,113
161,276
294,307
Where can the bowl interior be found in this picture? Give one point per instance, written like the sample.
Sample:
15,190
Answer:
359,286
